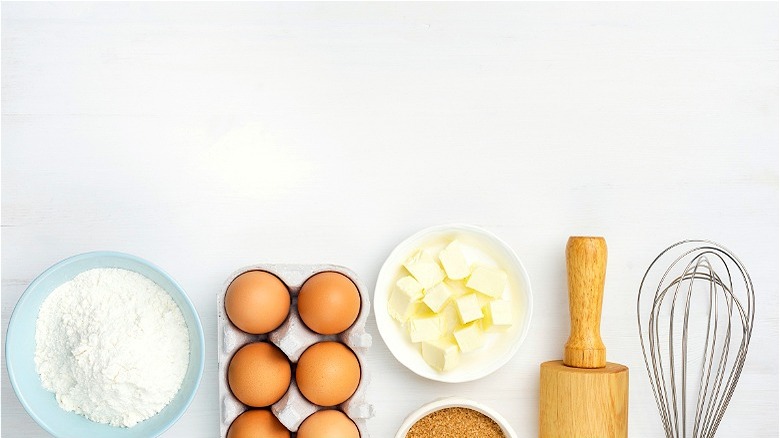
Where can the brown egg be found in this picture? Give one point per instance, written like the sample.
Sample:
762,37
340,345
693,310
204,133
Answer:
328,373
257,423
259,374
328,303
257,302
329,423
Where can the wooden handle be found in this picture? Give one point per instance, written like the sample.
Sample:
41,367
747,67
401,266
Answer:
586,265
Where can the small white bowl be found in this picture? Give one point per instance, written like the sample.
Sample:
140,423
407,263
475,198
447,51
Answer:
500,347
454,402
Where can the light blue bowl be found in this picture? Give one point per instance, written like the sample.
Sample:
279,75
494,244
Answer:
20,351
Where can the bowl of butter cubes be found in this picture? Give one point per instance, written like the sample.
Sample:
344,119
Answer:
453,303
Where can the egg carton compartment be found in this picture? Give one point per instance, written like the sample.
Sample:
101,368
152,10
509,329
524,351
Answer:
293,338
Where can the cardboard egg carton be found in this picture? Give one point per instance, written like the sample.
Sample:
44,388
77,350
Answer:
293,338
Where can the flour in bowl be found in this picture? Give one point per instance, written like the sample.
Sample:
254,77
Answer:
112,345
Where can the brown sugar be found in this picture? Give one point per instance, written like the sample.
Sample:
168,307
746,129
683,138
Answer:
455,423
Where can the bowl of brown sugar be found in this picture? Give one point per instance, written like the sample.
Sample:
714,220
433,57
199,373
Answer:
455,417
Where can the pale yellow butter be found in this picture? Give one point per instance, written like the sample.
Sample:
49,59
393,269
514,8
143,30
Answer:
454,262
404,299
437,297
425,269
498,315
450,317
427,328
470,337
447,305
488,280
469,308
457,287
441,354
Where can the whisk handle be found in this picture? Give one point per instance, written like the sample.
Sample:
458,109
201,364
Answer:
586,267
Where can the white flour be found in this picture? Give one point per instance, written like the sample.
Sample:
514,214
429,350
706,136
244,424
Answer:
112,345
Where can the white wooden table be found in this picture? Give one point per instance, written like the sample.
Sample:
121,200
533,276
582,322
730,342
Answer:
205,137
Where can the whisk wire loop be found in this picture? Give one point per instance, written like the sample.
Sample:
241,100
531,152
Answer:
701,276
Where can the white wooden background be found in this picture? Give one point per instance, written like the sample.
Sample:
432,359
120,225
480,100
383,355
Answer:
205,137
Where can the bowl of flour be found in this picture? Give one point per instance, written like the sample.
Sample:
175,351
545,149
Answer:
105,344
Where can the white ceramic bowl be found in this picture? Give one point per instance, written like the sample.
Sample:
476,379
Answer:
499,347
452,402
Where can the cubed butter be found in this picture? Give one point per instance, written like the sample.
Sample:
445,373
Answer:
498,315
469,337
488,280
404,299
450,317
441,354
425,269
469,308
410,286
457,287
454,262
437,297
426,328
421,310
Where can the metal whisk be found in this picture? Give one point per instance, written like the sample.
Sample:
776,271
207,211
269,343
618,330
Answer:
695,314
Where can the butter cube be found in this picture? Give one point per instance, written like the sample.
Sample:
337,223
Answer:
468,308
426,328
425,269
487,280
454,262
469,338
437,297
498,315
421,310
410,286
441,354
450,317
403,300
458,288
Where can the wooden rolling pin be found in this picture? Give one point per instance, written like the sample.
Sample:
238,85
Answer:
584,396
